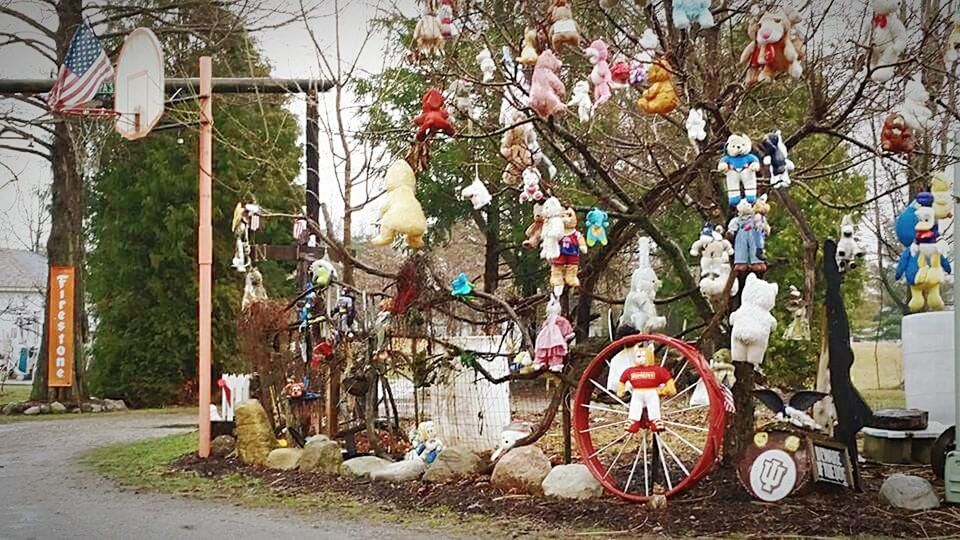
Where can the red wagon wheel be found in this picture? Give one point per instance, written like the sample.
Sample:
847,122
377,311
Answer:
632,465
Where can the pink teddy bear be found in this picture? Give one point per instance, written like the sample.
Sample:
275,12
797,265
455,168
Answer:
601,77
546,88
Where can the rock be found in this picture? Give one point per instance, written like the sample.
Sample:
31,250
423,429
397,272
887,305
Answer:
909,492
521,470
223,445
44,408
362,467
114,405
571,482
58,408
32,411
321,455
284,459
401,471
255,438
453,463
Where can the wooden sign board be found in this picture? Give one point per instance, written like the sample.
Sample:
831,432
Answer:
831,463
60,353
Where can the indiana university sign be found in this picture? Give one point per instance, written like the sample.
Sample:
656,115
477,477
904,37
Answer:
60,348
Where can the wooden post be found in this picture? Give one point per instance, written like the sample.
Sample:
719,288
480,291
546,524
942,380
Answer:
205,252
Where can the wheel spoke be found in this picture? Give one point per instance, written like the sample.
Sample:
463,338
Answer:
605,409
674,456
611,443
608,392
594,428
663,462
687,426
683,440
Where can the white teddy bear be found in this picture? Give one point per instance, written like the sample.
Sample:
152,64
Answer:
886,37
696,127
477,194
581,100
752,323
914,108
487,66
530,191
639,310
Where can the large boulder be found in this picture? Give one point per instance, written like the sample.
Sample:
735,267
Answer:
58,408
255,438
223,445
321,455
909,492
284,459
571,482
521,470
402,471
453,463
362,467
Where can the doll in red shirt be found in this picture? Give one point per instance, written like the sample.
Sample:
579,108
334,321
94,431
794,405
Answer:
648,381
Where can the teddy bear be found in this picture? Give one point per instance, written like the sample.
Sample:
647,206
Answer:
445,15
596,223
639,310
528,53
434,118
952,47
487,66
896,136
747,253
476,193
532,234
774,153
696,126
401,212
752,323
530,190
774,47
885,37
564,268
552,230
563,29
649,43
685,12
740,167
546,88
914,108
661,96
581,100
600,76
849,251
428,34
551,346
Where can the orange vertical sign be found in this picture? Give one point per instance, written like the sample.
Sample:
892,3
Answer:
60,348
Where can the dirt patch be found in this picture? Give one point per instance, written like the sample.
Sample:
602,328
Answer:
716,506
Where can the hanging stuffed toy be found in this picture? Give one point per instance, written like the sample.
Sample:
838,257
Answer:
661,96
952,49
885,37
401,212
748,253
487,66
461,286
639,309
564,268
849,252
533,232
445,15
648,382
914,108
752,323
434,118
476,193
799,327
600,76
714,251
696,126
686,12
596,223
530,190
551,344
528,53
921,263
552,231
428,34
649,43
546,88
740,167
581,100
563,29
896,136
774,153
774,47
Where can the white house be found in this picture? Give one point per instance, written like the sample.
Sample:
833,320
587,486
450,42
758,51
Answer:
23,276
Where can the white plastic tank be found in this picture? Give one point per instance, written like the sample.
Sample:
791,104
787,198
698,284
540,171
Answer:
928,364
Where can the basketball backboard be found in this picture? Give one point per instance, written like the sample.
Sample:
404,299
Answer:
139,86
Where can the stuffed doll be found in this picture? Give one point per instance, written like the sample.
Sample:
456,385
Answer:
476,193
528,53
401,213
747,253
774,47
752,323
563,269
896,136
696,126
532,234
649,43
434,118
552,231
546,88
253,289
799,327
849,252
487,66
551,345
530,190
952,50
461,286
761,226
563,29
661,96
596,223
714,251
686,12
600,76
581,100
774,153
914,108
428,34
639,310
741,168
648,382
445,15
885,37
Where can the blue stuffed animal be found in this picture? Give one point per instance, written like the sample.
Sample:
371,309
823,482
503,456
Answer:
597,224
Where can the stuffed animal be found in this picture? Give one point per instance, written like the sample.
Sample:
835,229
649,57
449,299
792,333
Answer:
747,252
487,66
401,212
752,323
714,251
740,167
532,234
434,117
546,88
685,12
849,252
445,15
530,190
528,53
639,310
596,223
661,96
581,100
774,153
885,37
649,43
914,108
648,381
896,136
952,50
253,289
476,193
563,269
563,29
921,263
425,444
552,231
551,345
774,47
600,76
799,327
696,126
428,34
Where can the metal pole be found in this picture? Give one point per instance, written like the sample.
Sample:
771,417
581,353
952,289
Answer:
205,250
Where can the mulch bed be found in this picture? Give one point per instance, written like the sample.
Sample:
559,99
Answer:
717,506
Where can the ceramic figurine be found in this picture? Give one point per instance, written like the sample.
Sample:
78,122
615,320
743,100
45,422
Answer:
752,322
434,118
461,286
424,443
401,212
696,126
639,310
563,269
775,158
774,47
528,53
600,76
849,252
740,167
714,251
552,231
428,34
563,29
686,12
793,411
648,381
476,193
596,223
885,37
581,100
487,66
799,327
530,190
914,108
661,96
747,252
551,344
921,264
546,88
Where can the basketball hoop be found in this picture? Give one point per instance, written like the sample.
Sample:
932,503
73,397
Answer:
138,96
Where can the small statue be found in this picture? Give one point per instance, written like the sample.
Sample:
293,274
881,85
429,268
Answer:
849,252
648,382
596,223
799,327
752,322
551,346
424,443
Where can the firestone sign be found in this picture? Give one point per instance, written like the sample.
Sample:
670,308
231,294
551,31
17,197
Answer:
60,347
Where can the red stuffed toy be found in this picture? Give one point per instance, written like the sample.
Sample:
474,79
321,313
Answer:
434,118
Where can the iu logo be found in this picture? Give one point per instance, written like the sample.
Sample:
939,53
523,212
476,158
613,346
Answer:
773,475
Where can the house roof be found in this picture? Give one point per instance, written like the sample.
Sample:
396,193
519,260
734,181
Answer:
22,270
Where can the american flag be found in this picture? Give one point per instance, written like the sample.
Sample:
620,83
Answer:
84,69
